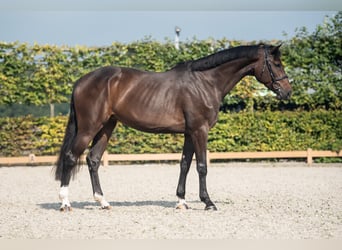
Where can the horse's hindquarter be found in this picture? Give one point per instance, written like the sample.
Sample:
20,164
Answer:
148,101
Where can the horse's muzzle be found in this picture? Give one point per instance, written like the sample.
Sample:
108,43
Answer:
283,94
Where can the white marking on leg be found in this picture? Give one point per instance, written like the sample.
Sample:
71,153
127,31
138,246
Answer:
99,198
182,204
64,197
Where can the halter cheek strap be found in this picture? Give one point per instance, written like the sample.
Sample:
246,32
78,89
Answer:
274,82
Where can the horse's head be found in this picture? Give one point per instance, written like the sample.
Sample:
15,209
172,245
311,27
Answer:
270,71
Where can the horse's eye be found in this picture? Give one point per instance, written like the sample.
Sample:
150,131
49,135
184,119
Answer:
277,65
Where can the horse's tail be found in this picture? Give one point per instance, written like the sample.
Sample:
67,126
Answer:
65,156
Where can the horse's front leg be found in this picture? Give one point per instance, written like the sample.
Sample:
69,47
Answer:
188,152
200,138
94,160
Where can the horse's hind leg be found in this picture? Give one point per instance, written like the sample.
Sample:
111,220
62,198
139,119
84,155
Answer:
94,159
80,143
70,163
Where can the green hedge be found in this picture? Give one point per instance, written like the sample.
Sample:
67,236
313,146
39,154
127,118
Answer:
259,131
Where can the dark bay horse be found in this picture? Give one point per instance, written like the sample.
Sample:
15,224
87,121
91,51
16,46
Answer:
185,99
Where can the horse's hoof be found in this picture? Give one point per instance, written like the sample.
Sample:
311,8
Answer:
106,208
182,206
210,208
65,209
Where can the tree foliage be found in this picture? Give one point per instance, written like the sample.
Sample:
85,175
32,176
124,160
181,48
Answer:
314,64
44,74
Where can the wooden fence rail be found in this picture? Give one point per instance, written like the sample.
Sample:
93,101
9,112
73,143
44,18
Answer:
309,154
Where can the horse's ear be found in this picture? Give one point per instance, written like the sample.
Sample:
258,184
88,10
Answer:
275,49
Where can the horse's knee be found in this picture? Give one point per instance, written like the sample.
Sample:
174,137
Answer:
202,169
93,163
184,166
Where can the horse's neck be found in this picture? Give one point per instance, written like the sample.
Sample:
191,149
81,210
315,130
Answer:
229,74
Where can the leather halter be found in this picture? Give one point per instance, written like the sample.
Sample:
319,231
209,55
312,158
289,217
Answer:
274,82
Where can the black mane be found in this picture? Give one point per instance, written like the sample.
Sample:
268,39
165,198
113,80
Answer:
220,57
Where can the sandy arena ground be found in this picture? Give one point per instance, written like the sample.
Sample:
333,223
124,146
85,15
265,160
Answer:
254,201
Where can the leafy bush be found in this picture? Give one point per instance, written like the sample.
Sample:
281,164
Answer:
234,132
277,131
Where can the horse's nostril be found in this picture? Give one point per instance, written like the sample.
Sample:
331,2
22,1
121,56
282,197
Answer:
288,95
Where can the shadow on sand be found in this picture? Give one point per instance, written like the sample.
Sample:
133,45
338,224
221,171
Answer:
93,205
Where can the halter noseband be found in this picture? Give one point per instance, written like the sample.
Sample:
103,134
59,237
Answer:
274,82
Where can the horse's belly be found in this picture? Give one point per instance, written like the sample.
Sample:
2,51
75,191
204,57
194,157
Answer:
153,122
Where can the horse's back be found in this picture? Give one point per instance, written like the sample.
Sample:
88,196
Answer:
98,75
